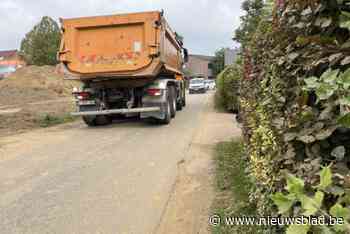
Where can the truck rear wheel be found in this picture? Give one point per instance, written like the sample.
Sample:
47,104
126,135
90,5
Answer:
103,120
184,101
167,110
173,105
93,121
179,106
89,121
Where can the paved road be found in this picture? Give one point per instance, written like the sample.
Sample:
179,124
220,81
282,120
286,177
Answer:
74,179
9,111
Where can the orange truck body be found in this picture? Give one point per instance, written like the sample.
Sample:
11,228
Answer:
126,46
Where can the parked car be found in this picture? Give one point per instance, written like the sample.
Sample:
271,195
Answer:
206,84
211,85
197,85
6,71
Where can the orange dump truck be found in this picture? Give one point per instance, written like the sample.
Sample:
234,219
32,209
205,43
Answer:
129,64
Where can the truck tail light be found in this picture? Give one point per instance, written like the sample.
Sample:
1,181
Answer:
154,92
83,95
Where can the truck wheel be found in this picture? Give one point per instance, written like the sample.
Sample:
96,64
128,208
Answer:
172,98
103,120
180,104
90,121
184,101
167,111
93,121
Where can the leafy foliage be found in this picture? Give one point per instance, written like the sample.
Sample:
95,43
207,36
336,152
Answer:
218,64
40,45
311,205
294,103
332,84
250,21
228,86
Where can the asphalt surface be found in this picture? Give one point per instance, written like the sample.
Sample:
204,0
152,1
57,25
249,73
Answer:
75,179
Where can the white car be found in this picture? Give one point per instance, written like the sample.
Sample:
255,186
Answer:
211,85
207,84
197,85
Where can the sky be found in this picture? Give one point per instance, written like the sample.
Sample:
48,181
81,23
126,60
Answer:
206,25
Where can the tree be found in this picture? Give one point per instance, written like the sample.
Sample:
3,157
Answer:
218,64
249,22
40,45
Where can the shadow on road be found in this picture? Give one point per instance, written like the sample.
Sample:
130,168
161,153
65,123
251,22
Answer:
130,122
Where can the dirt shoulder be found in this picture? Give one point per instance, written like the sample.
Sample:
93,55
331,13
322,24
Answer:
189,205
33,97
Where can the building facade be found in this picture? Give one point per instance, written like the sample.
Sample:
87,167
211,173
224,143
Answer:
230,56
200,66
11,58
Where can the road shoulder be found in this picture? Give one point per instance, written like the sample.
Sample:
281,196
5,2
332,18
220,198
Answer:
189,205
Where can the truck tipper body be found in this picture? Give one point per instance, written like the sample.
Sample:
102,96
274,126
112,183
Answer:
127,64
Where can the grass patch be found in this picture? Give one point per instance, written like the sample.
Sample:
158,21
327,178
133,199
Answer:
52,120
232,187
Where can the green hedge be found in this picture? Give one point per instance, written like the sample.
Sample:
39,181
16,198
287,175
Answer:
227,93
295,99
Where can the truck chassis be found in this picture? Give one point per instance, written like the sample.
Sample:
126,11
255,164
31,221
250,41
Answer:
158,100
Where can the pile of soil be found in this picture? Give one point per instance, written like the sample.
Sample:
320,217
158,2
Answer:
34,84
38,92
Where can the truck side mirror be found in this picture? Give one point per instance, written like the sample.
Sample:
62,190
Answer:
186,55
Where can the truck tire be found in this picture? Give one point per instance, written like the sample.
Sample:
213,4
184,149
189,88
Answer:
93,121
173,106
90,121
179,105
103,120
167,110
184,101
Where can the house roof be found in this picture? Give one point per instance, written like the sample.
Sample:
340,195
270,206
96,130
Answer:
8,53
203,57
